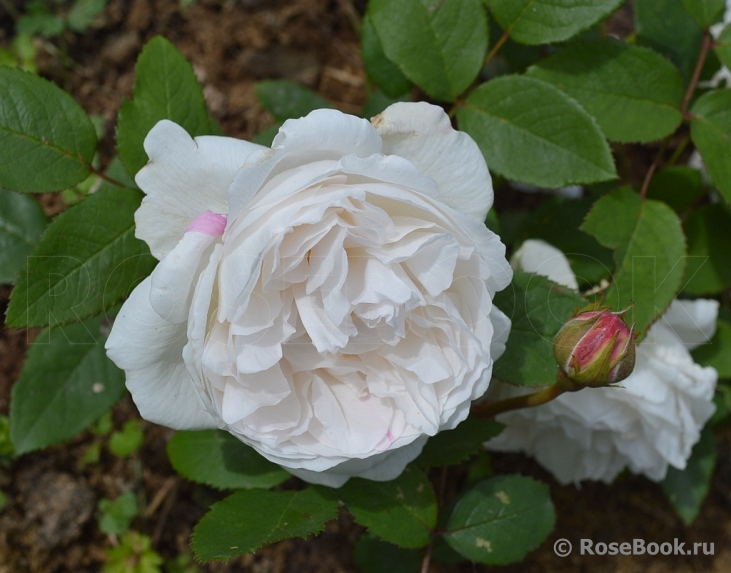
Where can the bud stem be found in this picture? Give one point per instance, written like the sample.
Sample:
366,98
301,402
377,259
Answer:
492,409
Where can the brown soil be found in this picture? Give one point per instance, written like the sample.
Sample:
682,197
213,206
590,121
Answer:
49,524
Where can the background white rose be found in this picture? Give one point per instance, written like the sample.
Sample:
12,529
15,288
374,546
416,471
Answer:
652,420
327,301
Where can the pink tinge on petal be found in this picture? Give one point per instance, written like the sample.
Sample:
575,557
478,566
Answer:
389,436
209,223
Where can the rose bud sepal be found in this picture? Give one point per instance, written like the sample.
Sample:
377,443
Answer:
594,348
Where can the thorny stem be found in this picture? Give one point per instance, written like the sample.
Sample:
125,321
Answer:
706,46
492,409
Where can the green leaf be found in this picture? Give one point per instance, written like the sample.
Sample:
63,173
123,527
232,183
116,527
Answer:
21,223
66,383
686,489
401,511
84,12
632,92
649,251
546,21
709,244
218,459
455,446
371,555
46,140
440,46
538,308
249,519
665,26
530,131
501,519
117,514
723,47
285,99
716,352
126,442
87,260
380,69
165,88
705,12
678,186
134,554
710,129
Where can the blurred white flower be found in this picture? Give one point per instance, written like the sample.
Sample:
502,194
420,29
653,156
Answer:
327,301
651,421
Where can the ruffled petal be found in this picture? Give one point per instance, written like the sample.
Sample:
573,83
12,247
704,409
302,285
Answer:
692,321
536,256
150,351
423,134
184,178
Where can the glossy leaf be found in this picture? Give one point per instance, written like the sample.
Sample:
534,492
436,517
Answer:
438,46
546,21
455,446
649,252
716,352
218,459
46,140
709,246
501,519
711,133
705,12
371,555
687,488
165,88
538,308
678,185
381,70
87,260
666,26
249,519
632,92
530,131
401,511
285,99
21,223
66,383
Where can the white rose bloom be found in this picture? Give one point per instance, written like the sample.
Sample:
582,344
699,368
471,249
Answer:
327,301
652,420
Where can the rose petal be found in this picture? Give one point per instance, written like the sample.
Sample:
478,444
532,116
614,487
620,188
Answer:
184,178
150,351
423,134
536,256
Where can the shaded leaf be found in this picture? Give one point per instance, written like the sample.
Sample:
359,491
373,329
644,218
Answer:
46,140
710,129
66,383
530,131
455,446
218,459
709,244
678,186
705,12
371,555
686,489
538,308
649,251
632,92
165,88
402,511
716,352
501,519
546,21
285,99
387,75
21,223
86,261
438,46
249,519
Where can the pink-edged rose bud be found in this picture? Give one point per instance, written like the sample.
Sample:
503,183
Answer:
595,348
